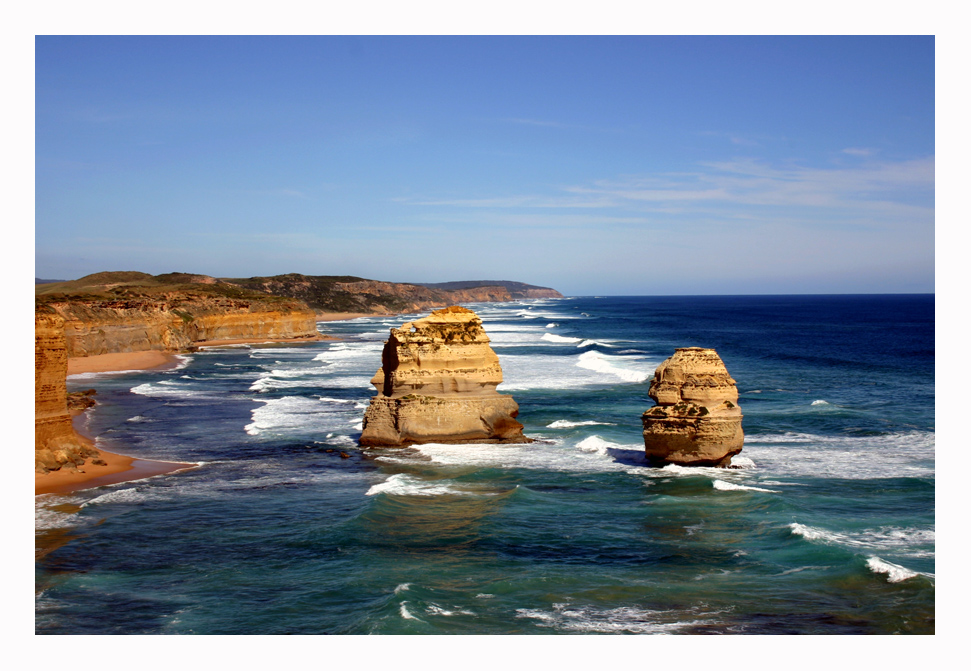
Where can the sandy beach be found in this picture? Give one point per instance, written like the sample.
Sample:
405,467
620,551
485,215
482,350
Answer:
118,467
107,363
342,316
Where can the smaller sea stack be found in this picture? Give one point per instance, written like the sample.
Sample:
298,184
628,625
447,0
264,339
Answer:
437,384
697,421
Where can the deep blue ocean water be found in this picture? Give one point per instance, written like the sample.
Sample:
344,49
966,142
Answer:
827,529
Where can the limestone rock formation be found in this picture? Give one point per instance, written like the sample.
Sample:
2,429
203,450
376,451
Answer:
437,383
175,322
56,444
697,421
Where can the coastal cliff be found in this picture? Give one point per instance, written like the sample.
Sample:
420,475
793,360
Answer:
175,322
437,383
329,293
132,312
110,313
697,421
56,444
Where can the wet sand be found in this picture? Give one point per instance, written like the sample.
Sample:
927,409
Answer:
121,361
119,469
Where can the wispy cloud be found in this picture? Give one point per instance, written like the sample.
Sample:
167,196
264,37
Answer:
859,151
738,182
872,195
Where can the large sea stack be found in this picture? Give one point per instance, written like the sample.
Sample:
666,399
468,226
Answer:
56,444
697,421
437,384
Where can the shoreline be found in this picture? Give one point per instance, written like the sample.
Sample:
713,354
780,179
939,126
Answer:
120,468
117,362
120,362
344,316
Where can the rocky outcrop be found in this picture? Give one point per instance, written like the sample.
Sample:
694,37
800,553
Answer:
56,444
437,383
697,421
175,321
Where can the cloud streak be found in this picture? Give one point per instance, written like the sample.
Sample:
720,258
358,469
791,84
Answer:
744,188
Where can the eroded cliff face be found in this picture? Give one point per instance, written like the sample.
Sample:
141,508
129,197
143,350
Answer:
56,444
78,326
697,421
437,383
174,322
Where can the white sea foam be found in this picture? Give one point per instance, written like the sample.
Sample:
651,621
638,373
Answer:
402,484
47,515
742,462
433,609
614,365
819,402
296,415
900,454
552,337
129,495
596,444
535,456
405,613
895,572
403,587
172,389
599,343
567,424
552,325
730,486
587,619
906,541
529,371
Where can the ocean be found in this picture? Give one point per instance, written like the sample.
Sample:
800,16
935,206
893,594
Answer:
828,527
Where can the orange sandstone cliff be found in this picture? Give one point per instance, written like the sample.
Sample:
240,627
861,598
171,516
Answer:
56,444
175,321
437,383
132,312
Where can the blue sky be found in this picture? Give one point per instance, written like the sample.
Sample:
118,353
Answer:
596,165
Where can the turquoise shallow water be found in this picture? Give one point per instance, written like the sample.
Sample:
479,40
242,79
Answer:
828,528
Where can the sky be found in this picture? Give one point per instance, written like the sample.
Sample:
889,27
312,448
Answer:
594,165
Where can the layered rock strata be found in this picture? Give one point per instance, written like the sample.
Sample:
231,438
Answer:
437,384
697,421
134,318
56,444
175,323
